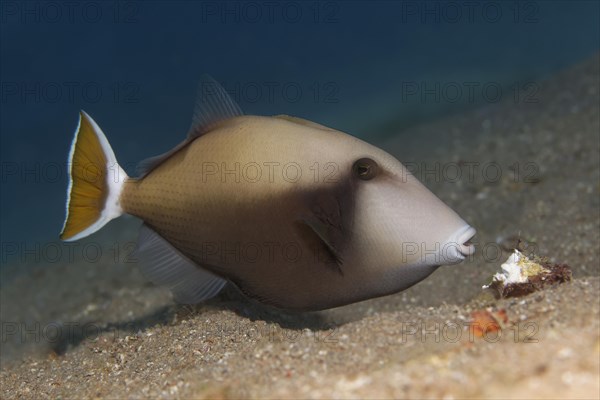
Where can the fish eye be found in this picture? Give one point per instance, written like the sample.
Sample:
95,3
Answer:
365,169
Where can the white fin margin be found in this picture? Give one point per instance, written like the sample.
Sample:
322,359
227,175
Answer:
115,176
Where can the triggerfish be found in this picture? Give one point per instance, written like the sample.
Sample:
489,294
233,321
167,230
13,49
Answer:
293,213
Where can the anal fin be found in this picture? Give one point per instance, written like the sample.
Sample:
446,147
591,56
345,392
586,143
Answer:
164,265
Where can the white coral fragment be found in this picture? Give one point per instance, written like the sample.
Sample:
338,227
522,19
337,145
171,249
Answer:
517,269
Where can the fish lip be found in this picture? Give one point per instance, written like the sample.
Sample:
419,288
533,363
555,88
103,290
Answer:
462,238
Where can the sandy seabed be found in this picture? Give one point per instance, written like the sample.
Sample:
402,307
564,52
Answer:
97,329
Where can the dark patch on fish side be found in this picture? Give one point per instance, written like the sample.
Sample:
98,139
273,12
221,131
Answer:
321,250
329,220
324,217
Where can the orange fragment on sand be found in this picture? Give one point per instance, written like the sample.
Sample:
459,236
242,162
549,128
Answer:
487,321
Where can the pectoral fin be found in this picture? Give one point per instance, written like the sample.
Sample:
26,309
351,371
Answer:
325,220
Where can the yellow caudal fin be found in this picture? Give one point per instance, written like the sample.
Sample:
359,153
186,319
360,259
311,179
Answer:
95,182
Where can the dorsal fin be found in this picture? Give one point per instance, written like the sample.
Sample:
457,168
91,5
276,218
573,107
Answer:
213,105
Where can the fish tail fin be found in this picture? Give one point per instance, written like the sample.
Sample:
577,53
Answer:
95,182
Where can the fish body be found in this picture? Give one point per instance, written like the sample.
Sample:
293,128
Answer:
295,214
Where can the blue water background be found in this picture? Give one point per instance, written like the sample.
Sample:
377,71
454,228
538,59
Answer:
133,66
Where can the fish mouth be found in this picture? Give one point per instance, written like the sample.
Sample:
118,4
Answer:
463,241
